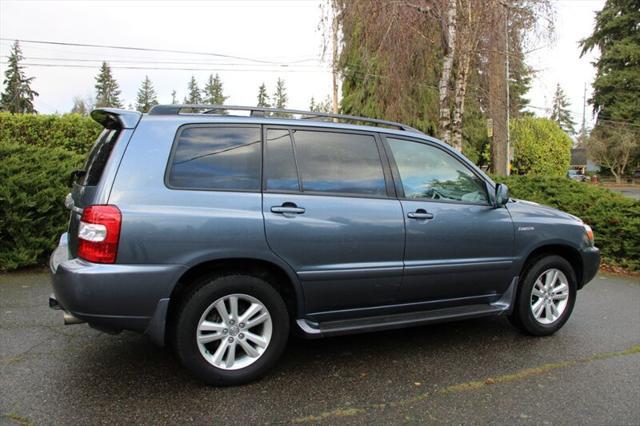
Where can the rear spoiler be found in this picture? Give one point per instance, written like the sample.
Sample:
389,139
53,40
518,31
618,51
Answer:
114,118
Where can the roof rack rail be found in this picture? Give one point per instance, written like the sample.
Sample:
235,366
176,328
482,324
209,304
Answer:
264,112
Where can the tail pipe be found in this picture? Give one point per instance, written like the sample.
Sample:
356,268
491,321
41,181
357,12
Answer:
68,317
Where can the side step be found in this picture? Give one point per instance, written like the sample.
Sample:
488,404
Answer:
409,319
389,322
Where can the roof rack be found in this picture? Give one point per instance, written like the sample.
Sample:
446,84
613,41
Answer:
266,112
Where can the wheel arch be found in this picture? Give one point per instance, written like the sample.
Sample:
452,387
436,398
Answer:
569,253
282,279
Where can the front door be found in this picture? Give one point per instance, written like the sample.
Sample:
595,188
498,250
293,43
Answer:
328,213
459,248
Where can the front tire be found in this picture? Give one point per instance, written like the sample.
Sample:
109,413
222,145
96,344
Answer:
546,296
230,330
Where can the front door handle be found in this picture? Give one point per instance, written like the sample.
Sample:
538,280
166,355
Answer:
287,208
420,214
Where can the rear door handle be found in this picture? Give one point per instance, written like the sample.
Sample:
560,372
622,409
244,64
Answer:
287,208
420,214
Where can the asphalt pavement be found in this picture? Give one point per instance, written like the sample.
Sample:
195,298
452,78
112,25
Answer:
632,191
472,372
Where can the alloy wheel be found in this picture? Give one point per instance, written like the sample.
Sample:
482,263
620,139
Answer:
549,296
234,331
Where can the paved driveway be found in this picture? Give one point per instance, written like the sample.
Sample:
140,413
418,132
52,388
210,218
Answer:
627,191
475,371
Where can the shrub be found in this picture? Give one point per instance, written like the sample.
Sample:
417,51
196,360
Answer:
73,132
615,219
33,184
540,147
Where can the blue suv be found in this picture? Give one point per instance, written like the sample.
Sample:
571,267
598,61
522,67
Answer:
220,230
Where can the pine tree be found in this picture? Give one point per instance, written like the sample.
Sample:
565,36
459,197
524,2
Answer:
263,98
616,88
560,112
520,76
193,93
80,106
174,99
213,91
280,98
322,106
146,96
18,96
107,89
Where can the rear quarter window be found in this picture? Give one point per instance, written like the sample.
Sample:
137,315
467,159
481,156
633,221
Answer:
216,158
98,157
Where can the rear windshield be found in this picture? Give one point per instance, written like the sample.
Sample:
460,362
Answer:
98,157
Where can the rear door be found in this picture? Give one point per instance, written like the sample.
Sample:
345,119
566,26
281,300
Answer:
330,213
459,248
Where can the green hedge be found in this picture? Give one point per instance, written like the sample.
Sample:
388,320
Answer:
540,147
33,184
615,219
38,152
73,132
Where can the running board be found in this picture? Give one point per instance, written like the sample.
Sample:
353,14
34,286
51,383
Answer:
409,319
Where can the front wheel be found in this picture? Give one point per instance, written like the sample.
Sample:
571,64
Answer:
546,297
231,330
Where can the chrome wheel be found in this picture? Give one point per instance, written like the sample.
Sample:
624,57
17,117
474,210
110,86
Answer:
549,296
234,331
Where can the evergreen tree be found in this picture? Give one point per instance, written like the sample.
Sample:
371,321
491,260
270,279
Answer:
193,93
213,91
263,98
280,98
322,106
107,89
80,106
146,96
560,112
520,75
616,88
18,96
174,99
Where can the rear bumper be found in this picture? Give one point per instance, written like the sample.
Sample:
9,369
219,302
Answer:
590,264
113,297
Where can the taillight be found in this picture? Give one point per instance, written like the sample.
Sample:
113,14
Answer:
99,233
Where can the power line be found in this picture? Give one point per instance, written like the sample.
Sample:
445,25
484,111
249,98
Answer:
136,61
125,67
101,55
148,49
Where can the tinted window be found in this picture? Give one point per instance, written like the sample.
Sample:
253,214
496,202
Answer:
217,158
339,163
98,157
430,173
280,167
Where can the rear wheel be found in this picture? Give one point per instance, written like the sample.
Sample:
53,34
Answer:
231,330
546,296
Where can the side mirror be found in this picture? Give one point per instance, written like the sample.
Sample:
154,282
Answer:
502,194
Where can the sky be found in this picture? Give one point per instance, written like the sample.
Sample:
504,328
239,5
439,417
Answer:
269,40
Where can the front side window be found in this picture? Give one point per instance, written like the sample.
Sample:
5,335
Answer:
223,158
430,173
343,163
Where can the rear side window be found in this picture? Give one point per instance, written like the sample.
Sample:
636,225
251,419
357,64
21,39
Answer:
280,165
339,163
223,158
98,157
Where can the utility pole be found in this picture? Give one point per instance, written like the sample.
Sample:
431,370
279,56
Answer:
499,89
334,64
584,109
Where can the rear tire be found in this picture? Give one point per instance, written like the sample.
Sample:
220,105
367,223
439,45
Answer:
230,330
546,296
